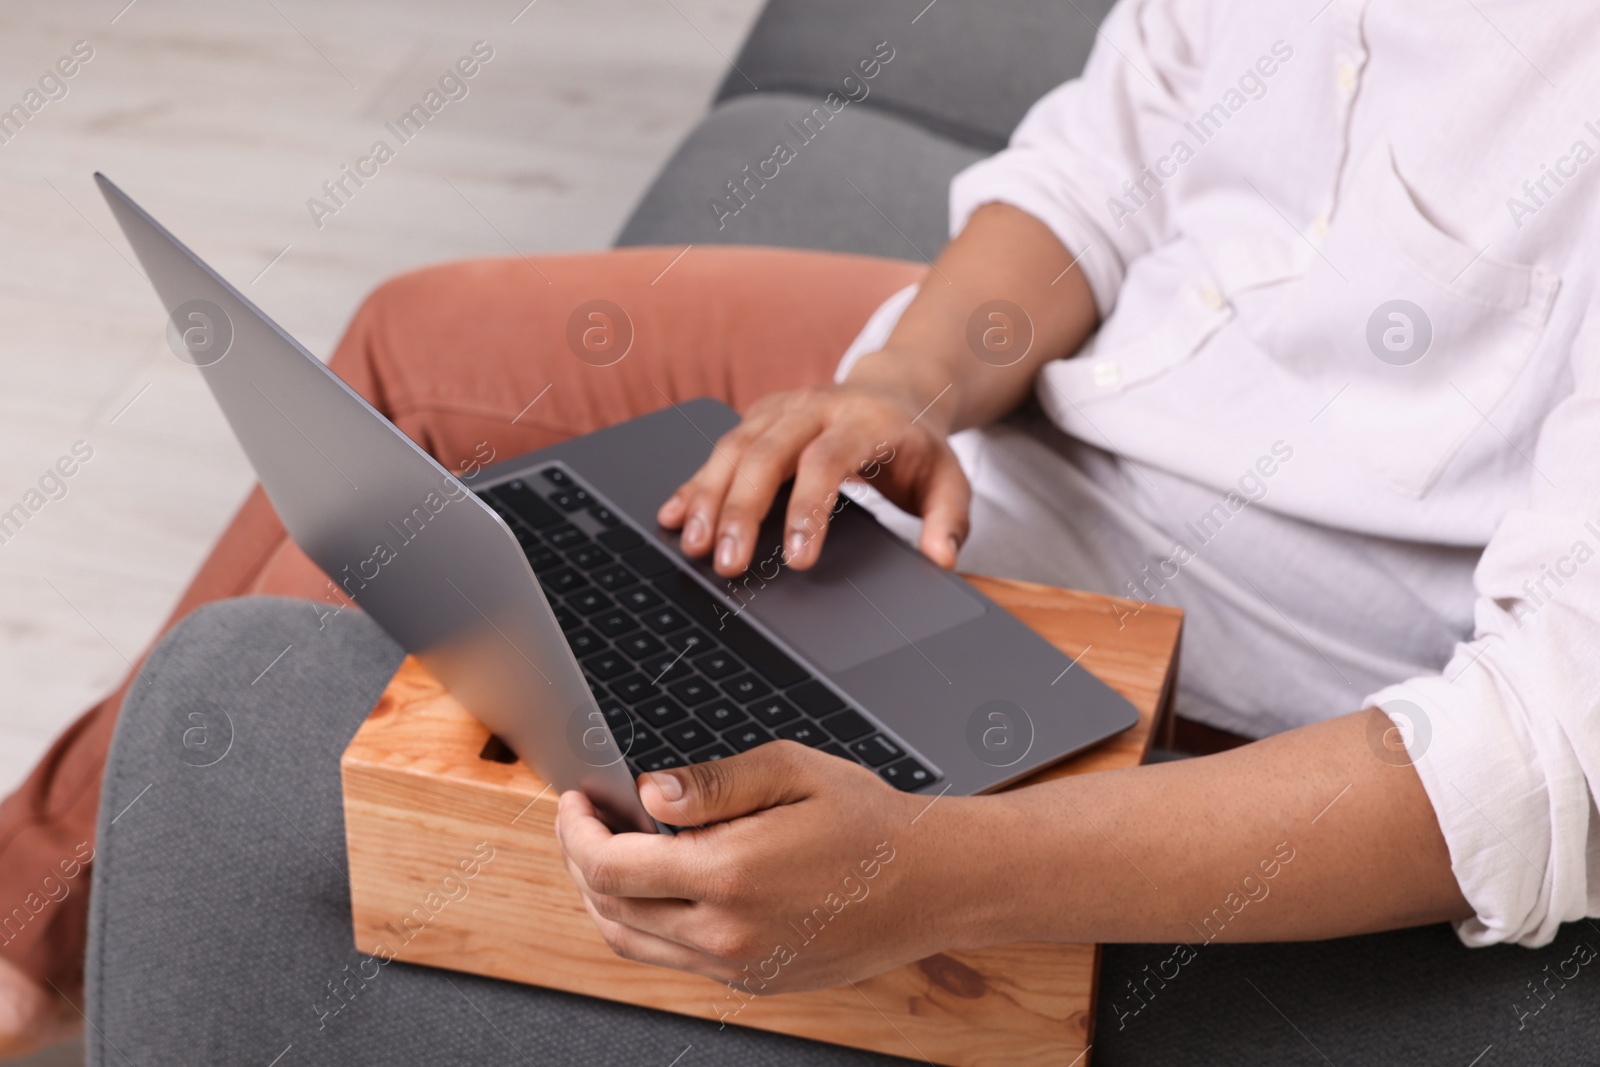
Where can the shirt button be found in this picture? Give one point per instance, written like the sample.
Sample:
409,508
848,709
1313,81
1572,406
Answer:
1347,76
1211,298
1319,228
1107,374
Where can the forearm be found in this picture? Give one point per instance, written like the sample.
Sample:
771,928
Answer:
1003,254
1301,836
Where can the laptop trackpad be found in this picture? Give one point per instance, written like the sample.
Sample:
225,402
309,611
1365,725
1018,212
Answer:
869,594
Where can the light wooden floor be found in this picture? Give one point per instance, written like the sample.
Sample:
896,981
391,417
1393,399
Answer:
222,119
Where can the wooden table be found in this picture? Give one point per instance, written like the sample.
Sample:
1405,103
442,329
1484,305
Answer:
454,864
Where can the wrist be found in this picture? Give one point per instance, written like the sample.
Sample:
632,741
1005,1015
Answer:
977,882
928,396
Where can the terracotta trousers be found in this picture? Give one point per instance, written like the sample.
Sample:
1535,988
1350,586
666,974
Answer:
487,357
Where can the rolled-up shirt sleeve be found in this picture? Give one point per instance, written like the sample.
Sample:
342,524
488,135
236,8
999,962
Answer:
1507,738
1079,143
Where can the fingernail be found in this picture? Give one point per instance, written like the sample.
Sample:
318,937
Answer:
727,552
668,785
694,531
797,545
955,548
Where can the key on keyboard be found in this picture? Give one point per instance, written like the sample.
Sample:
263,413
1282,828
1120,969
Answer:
680,678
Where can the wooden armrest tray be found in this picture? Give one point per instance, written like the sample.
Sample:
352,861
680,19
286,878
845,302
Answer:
454,864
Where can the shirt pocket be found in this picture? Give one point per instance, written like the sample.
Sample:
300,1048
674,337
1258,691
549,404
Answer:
1412,334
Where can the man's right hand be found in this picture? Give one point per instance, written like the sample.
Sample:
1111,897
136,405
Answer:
821,437
901,401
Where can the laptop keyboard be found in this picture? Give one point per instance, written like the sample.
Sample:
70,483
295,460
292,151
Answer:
678,679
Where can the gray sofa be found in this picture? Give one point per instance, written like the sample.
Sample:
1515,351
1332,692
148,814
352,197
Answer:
873,177
220,915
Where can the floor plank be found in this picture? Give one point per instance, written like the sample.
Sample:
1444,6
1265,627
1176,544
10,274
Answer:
223,119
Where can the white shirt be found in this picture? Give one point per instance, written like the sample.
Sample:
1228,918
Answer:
1250,185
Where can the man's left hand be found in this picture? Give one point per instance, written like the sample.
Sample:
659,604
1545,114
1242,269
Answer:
798,870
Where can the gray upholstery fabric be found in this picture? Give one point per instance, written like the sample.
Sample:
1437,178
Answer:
898,206
221,914
962,76
1413,997
967,69
220,908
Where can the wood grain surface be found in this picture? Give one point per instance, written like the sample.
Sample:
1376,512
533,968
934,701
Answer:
423,810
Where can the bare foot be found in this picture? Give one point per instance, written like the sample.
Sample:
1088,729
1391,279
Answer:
32,1017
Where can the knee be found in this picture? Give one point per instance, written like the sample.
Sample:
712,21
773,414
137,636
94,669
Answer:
418,301
408,329
407,293
386,314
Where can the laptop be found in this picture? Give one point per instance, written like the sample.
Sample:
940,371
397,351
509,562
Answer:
546,599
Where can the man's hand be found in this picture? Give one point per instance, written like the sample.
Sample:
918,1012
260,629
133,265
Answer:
806,871
820,437
809,871
902,401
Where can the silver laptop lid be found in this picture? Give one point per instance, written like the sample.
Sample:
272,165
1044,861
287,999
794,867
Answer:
409,542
